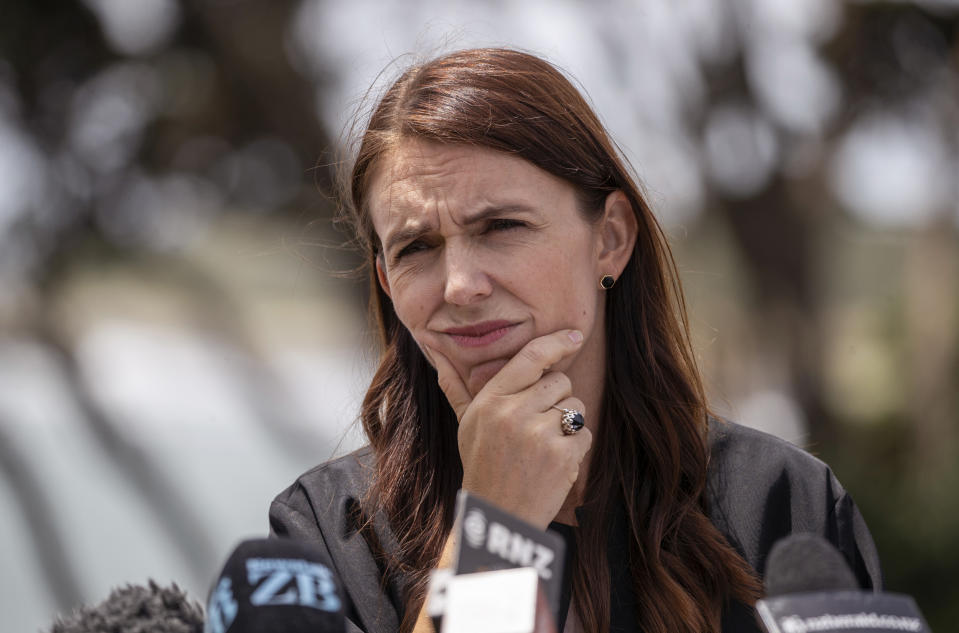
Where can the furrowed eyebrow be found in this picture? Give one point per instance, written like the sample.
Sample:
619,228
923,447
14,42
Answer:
494,210
404,235
410,234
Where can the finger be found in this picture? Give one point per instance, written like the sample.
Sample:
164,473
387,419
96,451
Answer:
571,403
548,390
530,363
450,382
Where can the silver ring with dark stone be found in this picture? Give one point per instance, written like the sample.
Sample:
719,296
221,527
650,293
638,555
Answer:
572,420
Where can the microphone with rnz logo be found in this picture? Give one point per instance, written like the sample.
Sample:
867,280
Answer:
275,585
810,589
506,578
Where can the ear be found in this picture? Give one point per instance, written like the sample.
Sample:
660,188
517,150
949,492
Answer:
381,275
616,234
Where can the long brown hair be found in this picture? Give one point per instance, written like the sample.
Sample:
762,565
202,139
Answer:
650,453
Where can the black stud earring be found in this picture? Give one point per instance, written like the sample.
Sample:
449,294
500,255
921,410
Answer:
606,282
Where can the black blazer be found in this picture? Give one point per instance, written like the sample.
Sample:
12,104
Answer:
759,489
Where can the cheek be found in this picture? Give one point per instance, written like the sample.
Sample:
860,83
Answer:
409,315
410,301
570,283
583,302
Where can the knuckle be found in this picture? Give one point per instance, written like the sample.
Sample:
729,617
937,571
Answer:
509,415
549,432
501,411
480,402
444,384
443,380
558,450
497,418
538,438
534,353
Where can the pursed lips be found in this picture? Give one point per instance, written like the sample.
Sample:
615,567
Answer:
479,334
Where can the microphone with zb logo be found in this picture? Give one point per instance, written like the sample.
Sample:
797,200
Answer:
272,585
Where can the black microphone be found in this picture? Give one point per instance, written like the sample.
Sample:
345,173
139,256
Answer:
136,608
805,562
275,585
810,589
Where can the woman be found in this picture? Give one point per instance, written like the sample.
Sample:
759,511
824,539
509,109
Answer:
522,286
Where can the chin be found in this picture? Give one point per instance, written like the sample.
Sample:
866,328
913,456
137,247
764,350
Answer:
481,374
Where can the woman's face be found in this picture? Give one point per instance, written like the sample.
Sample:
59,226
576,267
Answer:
482,252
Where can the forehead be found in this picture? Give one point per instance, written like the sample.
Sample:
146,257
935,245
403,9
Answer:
419,180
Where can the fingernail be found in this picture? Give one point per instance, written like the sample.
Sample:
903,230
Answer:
575,336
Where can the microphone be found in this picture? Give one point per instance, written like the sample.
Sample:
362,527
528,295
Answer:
500,601
137,608
810,589
506,578
804,562
275,585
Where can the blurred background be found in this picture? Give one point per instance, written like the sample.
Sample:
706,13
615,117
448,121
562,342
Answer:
178,341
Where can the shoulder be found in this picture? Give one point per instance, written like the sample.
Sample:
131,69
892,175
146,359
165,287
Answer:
740,450
329,491
757,478
347,475
762,488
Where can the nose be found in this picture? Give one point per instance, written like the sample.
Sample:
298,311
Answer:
467,280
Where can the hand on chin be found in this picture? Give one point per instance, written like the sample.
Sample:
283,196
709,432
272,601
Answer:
476,376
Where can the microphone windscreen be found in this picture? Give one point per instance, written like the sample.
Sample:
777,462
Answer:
802,563
275,585
137,608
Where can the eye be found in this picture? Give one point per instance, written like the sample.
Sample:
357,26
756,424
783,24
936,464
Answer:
504,224
413,247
